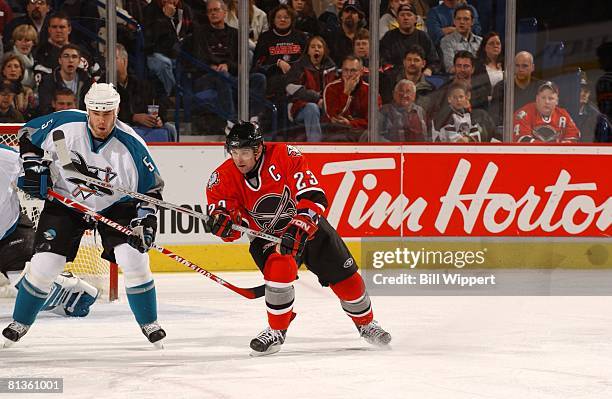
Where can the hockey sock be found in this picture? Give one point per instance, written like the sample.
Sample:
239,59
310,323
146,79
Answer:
28,303
354,299
143,302
35,285
279,273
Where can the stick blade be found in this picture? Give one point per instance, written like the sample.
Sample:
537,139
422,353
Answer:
61,149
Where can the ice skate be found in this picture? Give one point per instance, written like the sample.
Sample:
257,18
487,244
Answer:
13,333
374,334
154,333
268,341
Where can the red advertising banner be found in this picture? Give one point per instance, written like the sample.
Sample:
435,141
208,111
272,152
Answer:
466,191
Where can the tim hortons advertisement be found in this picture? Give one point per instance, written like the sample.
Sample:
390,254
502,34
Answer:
429,191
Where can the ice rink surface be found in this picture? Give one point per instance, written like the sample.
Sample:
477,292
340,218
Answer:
443,347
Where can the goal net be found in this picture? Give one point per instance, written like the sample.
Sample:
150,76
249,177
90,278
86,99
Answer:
88,264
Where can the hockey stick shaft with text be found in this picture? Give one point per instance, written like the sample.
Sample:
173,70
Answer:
250,293
67,165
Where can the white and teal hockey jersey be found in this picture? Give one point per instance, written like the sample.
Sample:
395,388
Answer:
10,168
123,159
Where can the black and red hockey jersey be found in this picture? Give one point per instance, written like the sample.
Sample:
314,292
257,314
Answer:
530,126
269,196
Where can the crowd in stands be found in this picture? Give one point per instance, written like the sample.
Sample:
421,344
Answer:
441,76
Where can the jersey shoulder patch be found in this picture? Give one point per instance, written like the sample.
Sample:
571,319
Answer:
521,114
213,180
293,151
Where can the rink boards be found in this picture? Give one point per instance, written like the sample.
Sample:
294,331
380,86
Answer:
525,206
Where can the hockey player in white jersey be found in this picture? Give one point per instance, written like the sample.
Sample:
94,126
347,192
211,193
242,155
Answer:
70,295
103,147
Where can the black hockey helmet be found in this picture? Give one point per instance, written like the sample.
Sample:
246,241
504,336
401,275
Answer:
244,135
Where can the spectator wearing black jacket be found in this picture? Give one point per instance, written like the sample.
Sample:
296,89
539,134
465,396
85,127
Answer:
37,15
8,113
217,46
167,24
306,20
341,42
68,75
277,49
47,53
396,42
140,107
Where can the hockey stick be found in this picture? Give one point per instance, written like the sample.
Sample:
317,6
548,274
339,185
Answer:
250,293
67,165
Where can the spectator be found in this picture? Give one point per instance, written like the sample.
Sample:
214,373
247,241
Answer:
437,102
604,84
36,15
543,120
341,41
361,46
388,21
6,15
490,60
461,39
396,42
463,124
218,47
412,68
67,74
330,18
525,87
593,125
306,82
47,53
167,24
346,103
24,41
277,49
403,119
440,20
140,108
25,99
8,113
84,13
306,20
257,19
63,99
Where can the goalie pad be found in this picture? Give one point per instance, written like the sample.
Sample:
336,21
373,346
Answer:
70,296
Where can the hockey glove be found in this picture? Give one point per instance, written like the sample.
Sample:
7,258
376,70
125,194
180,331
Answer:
37,177
221,221
144,227
302,227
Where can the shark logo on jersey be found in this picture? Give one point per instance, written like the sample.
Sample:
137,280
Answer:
86,189
50,234
272,212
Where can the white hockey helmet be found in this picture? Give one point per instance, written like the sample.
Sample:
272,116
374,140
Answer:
102,97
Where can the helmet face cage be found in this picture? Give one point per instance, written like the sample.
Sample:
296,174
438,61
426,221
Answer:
244,135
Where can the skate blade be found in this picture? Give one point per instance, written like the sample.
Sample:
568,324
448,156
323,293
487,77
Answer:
158,345
6,343
271,350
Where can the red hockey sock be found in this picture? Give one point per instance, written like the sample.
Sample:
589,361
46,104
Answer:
354,299
279,273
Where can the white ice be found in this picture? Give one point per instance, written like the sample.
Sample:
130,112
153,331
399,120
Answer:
443,347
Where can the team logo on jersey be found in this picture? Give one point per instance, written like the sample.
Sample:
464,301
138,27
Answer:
521,115
50,234
293,152
84,188
213,180
272,212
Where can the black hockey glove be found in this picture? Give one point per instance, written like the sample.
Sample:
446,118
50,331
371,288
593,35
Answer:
37,177
220,223
144,227
298,231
